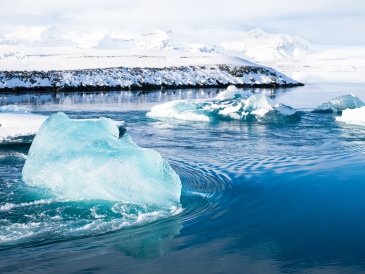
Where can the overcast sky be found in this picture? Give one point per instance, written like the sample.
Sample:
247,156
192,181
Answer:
319,21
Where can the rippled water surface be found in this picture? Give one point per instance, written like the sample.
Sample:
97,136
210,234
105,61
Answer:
256,197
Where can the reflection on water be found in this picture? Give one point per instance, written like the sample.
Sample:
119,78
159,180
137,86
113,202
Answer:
309,96
147,243
112,100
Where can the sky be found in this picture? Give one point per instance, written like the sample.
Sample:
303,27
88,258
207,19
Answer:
319,21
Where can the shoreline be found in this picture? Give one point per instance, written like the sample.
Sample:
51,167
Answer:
123,78
145,88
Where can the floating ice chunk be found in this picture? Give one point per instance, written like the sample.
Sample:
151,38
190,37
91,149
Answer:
353,116
341,103
15,125
185,110
257,106
84,159
285,110
232,92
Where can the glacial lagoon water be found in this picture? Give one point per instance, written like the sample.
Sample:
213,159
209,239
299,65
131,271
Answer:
257,197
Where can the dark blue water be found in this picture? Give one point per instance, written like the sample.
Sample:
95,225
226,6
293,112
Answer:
257,197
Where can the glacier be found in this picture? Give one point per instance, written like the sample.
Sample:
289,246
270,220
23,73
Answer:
340,103
230,104
88,159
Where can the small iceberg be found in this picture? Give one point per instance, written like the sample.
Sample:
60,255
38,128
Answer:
18,125
230,104
87,159
353,116
340,103
231,92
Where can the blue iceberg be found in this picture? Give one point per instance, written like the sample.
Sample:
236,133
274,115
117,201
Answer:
87,159
340,103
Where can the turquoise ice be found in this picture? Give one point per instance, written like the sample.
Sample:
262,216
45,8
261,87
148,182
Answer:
341,103
86,159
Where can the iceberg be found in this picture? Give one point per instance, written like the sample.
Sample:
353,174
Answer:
340,103
232,92
229,105
183,110
353,116
17,124
88,159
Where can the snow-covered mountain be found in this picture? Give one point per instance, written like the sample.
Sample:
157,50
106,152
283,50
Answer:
55,37
255,44
155,39
158,40
109,42
259,45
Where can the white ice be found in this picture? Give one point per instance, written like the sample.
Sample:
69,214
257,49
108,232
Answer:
16,122
232,92
353,116
184,110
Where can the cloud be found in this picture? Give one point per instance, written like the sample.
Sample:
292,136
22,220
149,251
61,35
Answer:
311,18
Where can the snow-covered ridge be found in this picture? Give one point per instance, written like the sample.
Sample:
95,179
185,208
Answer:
143,78
255,44
259,45
156,39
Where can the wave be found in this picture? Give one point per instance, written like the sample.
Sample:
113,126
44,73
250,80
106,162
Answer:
52,219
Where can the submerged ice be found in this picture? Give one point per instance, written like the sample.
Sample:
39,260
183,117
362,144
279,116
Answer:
230,104
341,103
86,159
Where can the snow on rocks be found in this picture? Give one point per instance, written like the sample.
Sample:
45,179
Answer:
144,78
